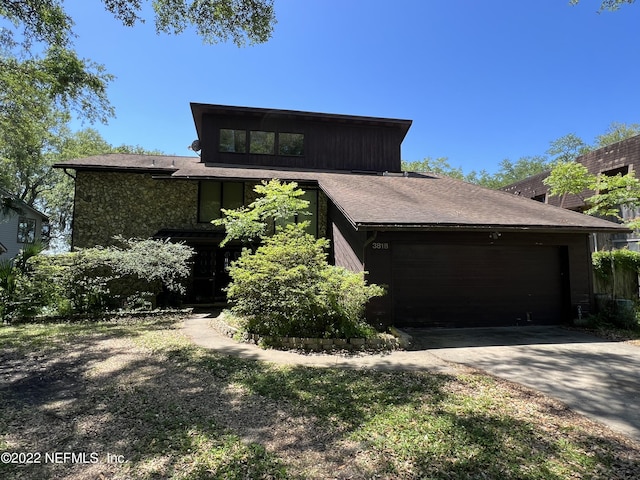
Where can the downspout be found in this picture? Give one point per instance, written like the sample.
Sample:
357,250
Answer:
75,195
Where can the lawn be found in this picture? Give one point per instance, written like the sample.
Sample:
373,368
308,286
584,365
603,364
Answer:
134,399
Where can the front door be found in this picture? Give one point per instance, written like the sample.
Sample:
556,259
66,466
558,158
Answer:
211,273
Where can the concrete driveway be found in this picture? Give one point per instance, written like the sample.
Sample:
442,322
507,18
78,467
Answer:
593,376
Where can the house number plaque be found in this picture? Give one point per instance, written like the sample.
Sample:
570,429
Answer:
380,245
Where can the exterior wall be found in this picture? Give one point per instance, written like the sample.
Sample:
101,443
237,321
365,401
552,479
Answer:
327,146
9,232
136,205
131,205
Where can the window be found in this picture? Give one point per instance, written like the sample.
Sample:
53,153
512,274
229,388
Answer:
46,233
26,230
262,142
310,196
291,144
215,196
233,140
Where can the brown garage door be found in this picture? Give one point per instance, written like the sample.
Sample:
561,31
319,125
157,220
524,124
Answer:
453,286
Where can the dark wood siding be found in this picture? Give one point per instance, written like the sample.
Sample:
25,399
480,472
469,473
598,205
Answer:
328,146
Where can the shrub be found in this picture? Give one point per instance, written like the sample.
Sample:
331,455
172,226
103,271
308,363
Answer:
287,288
129,275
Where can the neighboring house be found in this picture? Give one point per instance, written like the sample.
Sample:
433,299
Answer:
618,158
20,225
449,253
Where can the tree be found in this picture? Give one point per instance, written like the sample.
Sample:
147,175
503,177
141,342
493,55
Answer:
567,148
616,132
278,202
609,193
46,21
611,5
568,177
439,166
285,286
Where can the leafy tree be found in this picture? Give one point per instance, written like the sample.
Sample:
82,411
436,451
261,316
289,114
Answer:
567,148
568,178
439,166
278,202
616,132
287,288
611,5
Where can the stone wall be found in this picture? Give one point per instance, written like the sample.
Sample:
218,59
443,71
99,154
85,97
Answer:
131,205
135,205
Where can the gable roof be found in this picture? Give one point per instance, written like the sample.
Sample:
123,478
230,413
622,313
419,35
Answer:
21,204
369,201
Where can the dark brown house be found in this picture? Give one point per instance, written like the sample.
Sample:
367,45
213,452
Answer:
450,253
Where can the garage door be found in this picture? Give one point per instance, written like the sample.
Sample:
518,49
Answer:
454,286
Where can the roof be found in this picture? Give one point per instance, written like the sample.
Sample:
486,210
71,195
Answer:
369,201
21,204
200,109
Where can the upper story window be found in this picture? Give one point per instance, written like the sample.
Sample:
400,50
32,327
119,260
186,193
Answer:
262,142
291,144
215,196
233,140
26,230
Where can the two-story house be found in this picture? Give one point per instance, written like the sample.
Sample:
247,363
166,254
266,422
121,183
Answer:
449,253
20,225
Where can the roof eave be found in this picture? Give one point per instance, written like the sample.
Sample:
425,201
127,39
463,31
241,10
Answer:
362,226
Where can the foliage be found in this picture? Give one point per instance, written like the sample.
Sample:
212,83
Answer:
287,288
616,132
129,275
568,178
624,259
439,166
278,202
567,148
509,172
611,5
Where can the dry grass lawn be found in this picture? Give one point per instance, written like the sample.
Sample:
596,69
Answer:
138,391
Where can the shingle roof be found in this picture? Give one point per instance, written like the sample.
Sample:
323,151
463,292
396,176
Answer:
380,201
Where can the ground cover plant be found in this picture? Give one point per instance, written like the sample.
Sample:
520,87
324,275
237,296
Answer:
151,405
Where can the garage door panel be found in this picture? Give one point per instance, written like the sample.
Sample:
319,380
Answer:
444,285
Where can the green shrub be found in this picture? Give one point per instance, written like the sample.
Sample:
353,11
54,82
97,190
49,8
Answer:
129,275
287,288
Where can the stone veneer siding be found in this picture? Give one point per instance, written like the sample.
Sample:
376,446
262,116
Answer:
135,205
131,205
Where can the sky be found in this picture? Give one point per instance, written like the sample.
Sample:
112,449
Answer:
482,81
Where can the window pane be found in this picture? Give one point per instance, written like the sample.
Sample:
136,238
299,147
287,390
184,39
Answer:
291,144
311,196
233,140
262,142
26,230
217,195
209,201
232,195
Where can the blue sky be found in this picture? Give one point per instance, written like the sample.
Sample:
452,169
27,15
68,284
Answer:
481,80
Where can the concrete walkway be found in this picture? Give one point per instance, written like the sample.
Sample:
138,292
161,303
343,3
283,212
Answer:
592,376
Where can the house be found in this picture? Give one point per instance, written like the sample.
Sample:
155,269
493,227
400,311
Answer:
20,225
618,158
450,253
